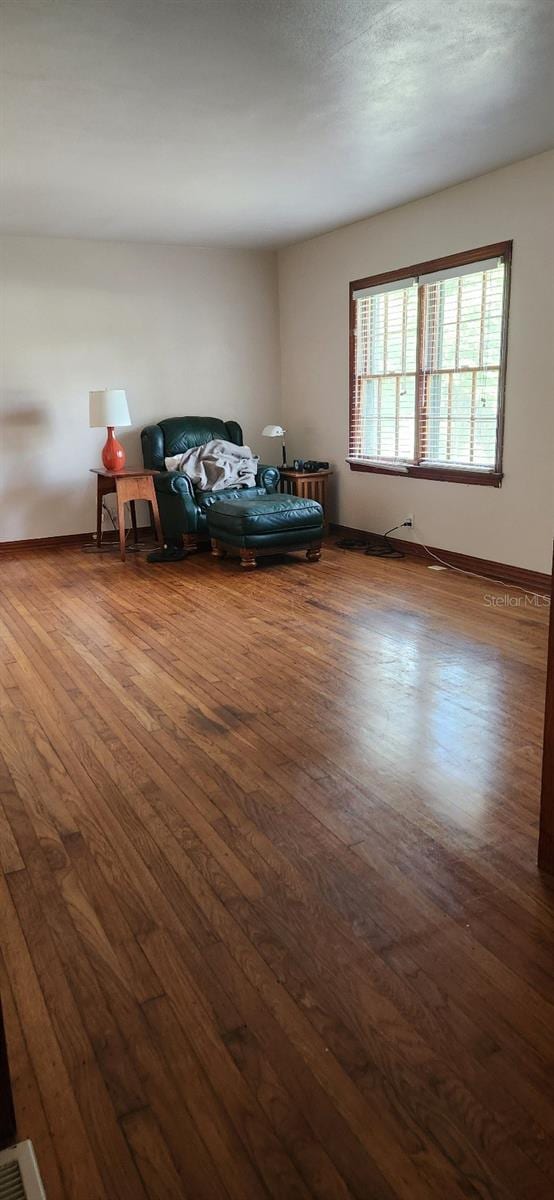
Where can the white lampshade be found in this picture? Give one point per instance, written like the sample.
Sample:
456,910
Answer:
108,407
273,431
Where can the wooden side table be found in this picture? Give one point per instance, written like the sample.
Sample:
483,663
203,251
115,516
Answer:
310,485
128,485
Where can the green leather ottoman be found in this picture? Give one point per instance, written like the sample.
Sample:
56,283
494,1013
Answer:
270,524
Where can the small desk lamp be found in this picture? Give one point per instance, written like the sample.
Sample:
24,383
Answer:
109,408
276,431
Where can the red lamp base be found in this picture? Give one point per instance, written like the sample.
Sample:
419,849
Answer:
113,454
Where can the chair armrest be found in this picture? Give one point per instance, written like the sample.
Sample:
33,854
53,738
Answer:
174,483
177,503
267,477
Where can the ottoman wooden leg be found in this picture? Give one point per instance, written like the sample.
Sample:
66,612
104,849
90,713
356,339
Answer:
314,553
247,559
217,549
190,541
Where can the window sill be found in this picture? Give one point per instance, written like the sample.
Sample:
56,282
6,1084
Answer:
443,474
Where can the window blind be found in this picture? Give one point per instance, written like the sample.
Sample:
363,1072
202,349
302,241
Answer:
382,419
427,366
461,352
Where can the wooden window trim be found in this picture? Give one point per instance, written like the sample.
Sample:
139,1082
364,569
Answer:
419,470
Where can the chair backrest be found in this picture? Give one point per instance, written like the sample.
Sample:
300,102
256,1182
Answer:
177,434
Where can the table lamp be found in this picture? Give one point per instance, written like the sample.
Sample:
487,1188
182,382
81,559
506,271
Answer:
109,408
276,431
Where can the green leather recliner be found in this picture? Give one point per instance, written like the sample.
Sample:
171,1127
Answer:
182,508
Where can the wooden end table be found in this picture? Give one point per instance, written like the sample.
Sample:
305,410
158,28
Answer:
130,484
310,485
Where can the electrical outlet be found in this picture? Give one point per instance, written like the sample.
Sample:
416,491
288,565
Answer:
409,521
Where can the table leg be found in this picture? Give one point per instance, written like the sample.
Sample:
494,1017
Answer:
99,505
156,513
121,521
134,520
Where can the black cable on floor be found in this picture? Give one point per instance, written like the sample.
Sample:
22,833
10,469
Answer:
383,548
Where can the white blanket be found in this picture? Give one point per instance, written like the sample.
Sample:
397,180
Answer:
216,465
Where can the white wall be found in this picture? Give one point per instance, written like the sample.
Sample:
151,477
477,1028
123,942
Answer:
184,330
513,524
188,330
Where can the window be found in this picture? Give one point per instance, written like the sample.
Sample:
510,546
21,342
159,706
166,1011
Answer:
427,365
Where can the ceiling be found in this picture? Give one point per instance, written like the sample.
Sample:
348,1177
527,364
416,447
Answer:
259,122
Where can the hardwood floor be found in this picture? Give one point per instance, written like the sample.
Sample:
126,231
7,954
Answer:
271,920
